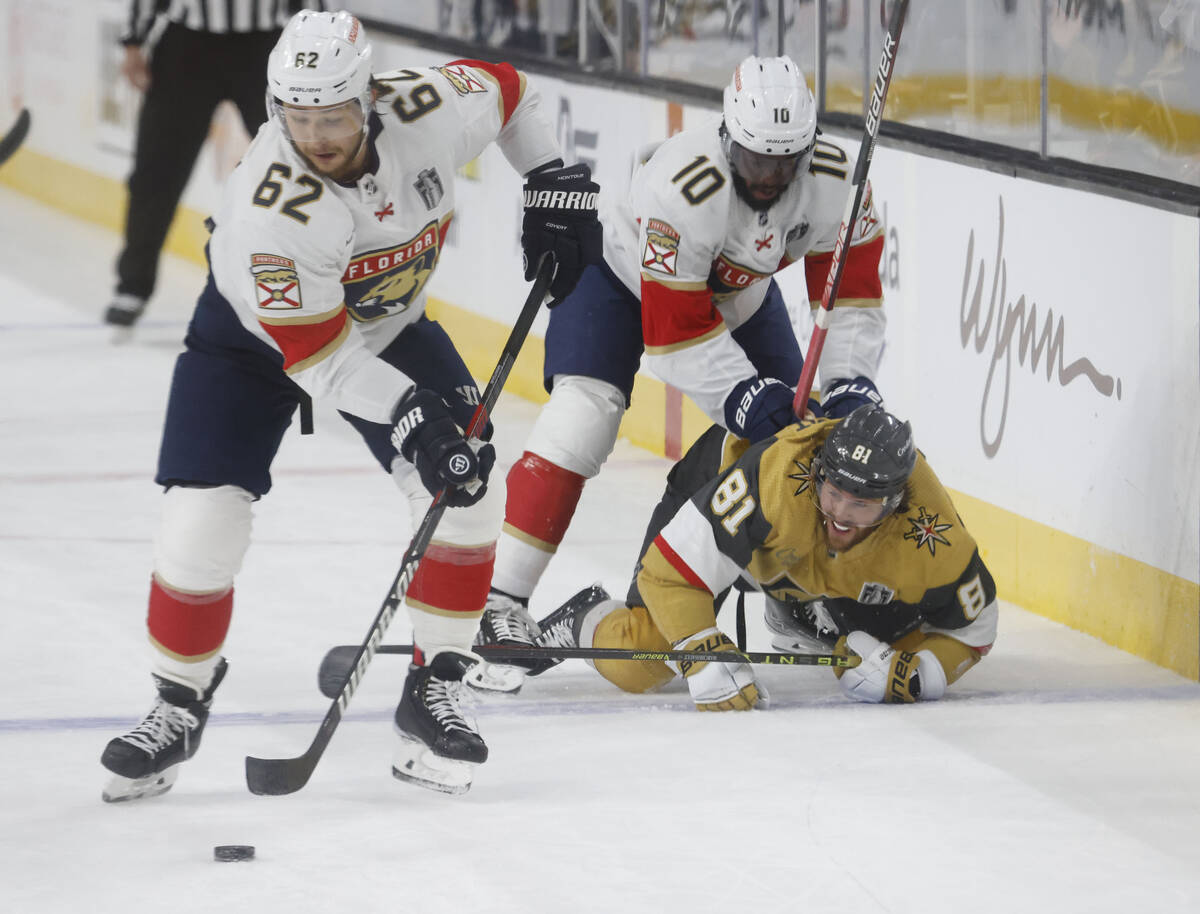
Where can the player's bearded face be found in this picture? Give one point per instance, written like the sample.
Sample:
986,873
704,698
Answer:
848,518
765,177
329,138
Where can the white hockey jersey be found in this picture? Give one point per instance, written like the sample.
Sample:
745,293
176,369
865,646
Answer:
329,274
699,257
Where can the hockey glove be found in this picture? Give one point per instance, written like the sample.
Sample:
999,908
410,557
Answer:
718,686
846,396
427,437
560,219
885,675
758,407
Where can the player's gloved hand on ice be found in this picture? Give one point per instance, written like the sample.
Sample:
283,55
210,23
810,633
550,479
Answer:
427,437
758,407
885,675
718,686
560,219
845,396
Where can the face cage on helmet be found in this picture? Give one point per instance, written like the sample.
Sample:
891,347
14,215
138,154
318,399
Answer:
309,125
854,510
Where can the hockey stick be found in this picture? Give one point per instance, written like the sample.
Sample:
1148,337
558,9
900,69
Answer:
15,137
287,775
883,79
339,661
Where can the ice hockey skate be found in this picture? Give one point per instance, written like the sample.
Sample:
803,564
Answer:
799,627
562,628
439,745
506,622
121,315
145,761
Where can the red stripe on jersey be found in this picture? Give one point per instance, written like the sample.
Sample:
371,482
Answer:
674,560
860,278
672,316
301,341
542,497
504,74
454,578
189,625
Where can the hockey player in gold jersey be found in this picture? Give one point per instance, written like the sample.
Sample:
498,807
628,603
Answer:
846,530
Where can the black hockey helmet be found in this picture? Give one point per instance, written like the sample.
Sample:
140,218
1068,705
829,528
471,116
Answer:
870,454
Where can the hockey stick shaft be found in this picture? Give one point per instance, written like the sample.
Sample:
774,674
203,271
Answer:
282,776
883,79
12,140
338,661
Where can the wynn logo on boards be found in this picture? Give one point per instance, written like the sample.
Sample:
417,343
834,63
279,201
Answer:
1011,328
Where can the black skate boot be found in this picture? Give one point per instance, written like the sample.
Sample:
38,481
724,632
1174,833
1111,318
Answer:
145,761
122,313
506,622
439,745
562,627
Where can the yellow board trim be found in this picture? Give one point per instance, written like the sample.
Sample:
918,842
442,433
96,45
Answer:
1017,102
1124,602
96,199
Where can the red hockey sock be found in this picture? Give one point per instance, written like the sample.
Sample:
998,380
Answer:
188,626
542,498
453,579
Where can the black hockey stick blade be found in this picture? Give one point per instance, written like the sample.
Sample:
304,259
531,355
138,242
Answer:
15,136
287,775
338,661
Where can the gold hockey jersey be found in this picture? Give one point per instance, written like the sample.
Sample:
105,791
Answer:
758,517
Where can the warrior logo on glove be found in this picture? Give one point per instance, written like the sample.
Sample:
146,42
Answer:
561,220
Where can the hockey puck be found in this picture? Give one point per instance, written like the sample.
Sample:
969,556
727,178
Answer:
231,853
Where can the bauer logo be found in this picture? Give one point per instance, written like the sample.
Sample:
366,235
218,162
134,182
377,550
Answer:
276,284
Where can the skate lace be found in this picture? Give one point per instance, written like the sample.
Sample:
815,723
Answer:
559,633
442,699
511,622
162,726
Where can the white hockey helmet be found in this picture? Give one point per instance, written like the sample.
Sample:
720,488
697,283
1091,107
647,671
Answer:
321,60
768,108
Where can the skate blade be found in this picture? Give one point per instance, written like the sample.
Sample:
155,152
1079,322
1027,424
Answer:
415,763
120,336
496,677
119,789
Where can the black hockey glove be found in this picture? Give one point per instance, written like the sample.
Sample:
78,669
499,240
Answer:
758,407
427,437
845,396
560,219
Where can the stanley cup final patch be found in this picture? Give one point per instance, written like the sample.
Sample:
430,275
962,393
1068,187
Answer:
276,284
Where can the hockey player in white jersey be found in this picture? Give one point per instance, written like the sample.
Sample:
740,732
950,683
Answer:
327,234
689,254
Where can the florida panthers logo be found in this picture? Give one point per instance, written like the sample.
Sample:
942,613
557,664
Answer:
385,282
